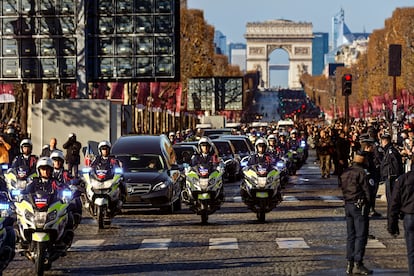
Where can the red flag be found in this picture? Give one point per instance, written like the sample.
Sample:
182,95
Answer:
7,93
143,91
178,93
117,91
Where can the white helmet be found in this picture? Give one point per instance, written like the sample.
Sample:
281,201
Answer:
271,137
205,140
293,131
25,142
260,141
44,161
104,144
57,154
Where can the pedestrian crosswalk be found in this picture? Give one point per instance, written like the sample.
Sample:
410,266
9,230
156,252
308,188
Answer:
289,198
223,243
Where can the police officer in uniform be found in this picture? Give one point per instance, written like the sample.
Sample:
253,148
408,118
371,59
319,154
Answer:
356,192
402,206
391,165
206,154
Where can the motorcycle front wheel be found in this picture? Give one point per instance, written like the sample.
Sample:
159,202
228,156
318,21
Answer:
261,216
100,215
40,258
204,218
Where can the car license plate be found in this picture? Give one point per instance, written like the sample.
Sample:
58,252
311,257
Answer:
262,194
204,196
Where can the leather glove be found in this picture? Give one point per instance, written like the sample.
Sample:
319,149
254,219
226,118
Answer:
394,230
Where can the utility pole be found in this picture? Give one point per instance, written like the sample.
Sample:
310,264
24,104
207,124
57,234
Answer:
81,77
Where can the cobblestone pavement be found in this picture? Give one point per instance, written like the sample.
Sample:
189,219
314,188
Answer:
305,235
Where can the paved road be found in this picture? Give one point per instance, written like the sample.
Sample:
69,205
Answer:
305,235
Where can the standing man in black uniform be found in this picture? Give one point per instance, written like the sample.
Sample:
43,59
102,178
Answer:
391,166
402,206
355,188
73,148
373,173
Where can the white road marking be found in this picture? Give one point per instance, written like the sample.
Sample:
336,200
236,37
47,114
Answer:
289,243
375,244
333,199
237,199
224,243
155,244
290,199
86,245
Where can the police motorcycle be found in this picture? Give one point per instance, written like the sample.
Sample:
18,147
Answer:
277,159
260,188
44,224
302,152
203,191
3,169
75,185
102,195
16,180
7,235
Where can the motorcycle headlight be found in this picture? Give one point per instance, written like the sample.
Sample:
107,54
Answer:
118,170
66,195
4,209
40,219
51,216
261,182
29,216
160,186
86,170
204,183
280,165
250,181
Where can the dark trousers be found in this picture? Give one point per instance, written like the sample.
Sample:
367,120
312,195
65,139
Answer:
409,240
373,189
389,185
73,169
357,224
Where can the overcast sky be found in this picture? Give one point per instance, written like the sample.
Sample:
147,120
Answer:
230,16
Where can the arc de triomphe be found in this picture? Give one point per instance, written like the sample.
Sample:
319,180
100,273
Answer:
295,38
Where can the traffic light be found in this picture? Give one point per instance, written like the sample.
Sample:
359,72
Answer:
346,84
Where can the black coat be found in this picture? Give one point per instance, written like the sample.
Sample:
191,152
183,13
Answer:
402,199
391,165
354,184
73,148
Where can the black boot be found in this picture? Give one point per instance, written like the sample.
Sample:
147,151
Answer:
349,267
361,269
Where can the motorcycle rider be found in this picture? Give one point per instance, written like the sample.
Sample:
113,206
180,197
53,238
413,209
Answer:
108,162
206,154
44,181
64,177
272,147
25,158
293,140
261,155
282,145
7,255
